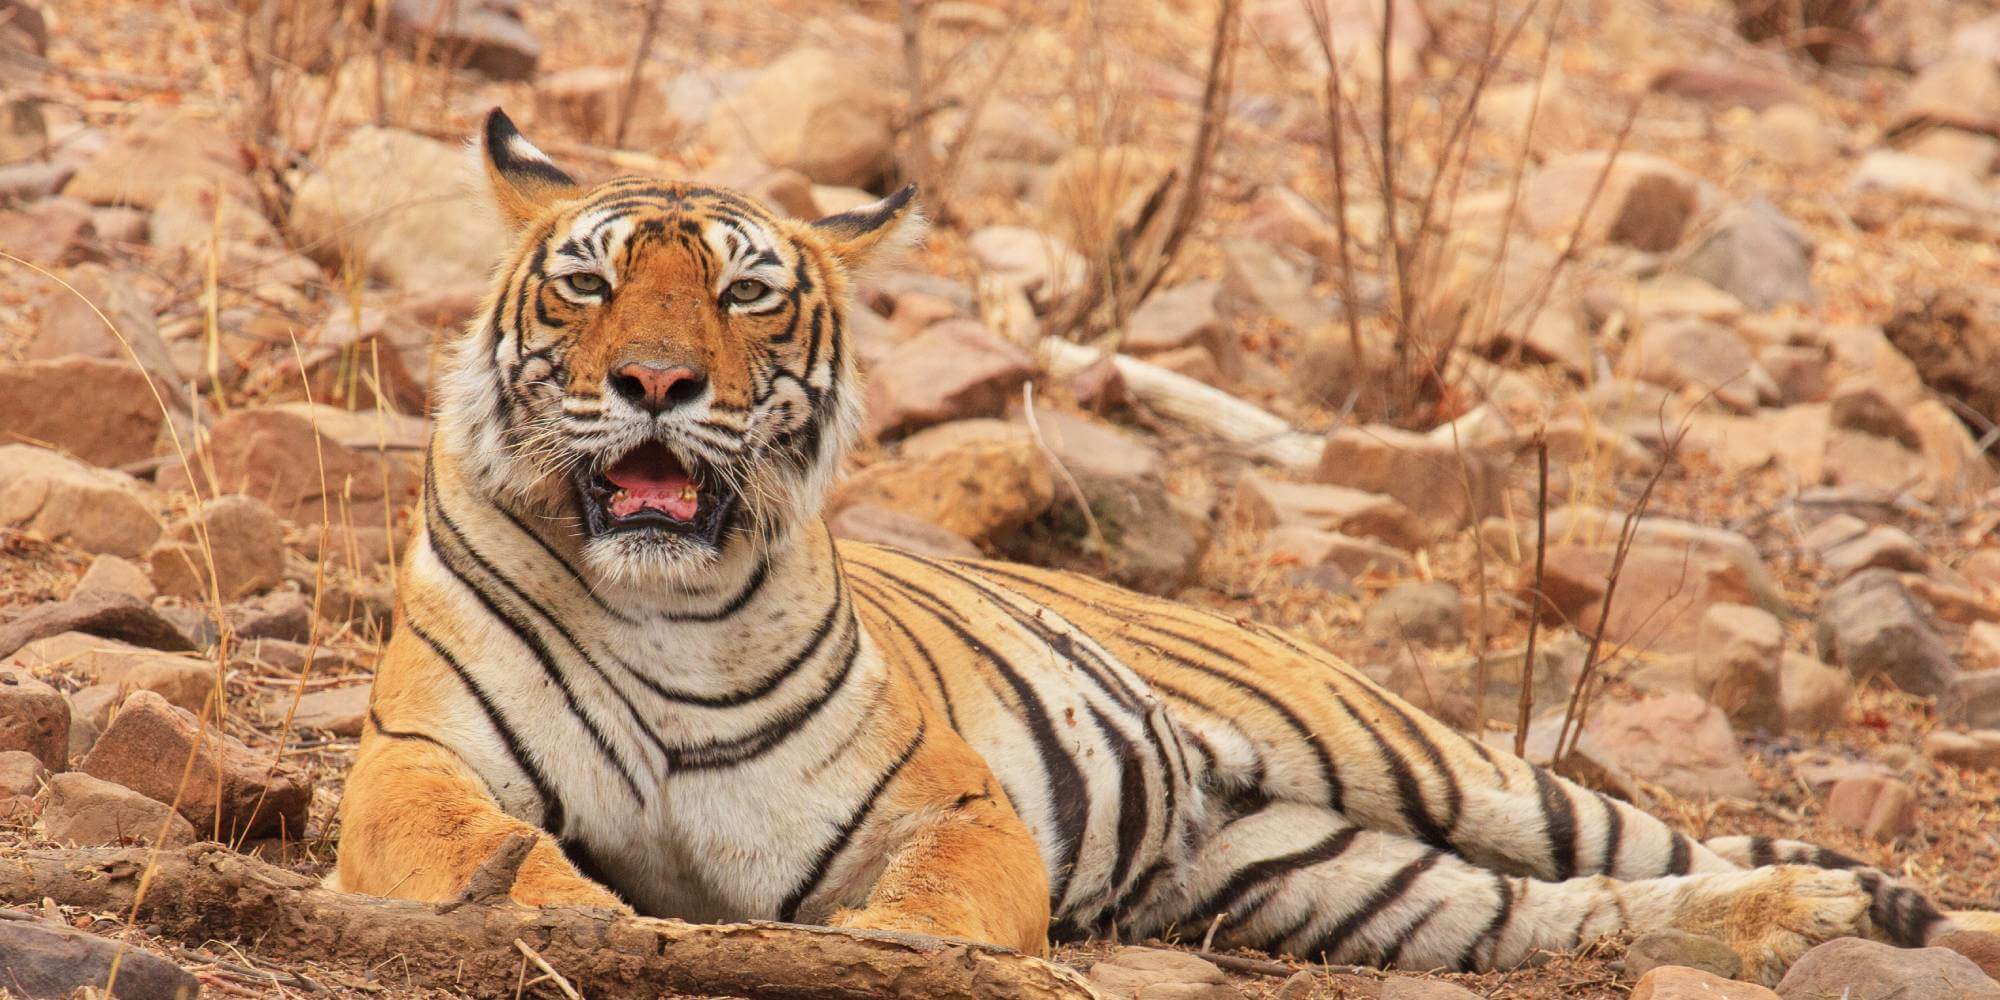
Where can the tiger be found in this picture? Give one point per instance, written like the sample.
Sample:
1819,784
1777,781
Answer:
623,628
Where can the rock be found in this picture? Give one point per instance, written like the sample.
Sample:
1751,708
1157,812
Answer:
235,537
257,451
1982,947
1982,644
114,616
1958,91
955,369
1870,624
280,614
1912,179
1882,546
69,324
1860,969
147,747
1799,372
1737,666
1414,988
1265,503
411,208
21,773
1883,809
587,99
338,711
110,573
1793,135
99,411
1300,545
1726,84
21,182
1433,478
1260,281
1694,354
393,349
1972,700
157,153
34,718
1950,338
1662,594
1674,740
1585,524
1041,265
813,110
486,36
1978,750
1670,947
95,510
1090,190
878,525
181,680
1861,404
1134,973
1672,982
1426,613
39,959
1815,696
1153,540
52,232
1757,254
121,224
1282,217
975,489
1645,202
1184,316
1969,151
359,548
89,812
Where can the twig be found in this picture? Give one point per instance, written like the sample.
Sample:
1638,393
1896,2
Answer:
632,79
548,971
494,878
1208,939
1527,693
1056,462
292,979
1283,970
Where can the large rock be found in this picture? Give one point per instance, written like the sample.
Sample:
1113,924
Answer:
1736,665
232,547
1428,613
96,510
158,153
1661,596
181,680
1695,354
1041,265
1184,316
52,233
1978,750
954,370
147,750
1815,695
977,486
409,208
106,317
1957,92
295,460
118,575
1673,982
1972,700
1645,202
90,812
1134,973
486,36
1757,254
813,110
1445,486
1871,625
1264,503
39,959
1880,808
338,711
1677,741
1311,548
34,718
1860,969
100,411
879,525
1670,947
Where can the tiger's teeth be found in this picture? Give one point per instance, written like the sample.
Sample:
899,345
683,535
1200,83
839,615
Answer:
621,495
688,492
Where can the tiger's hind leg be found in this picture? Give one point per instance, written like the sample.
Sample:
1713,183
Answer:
1303,880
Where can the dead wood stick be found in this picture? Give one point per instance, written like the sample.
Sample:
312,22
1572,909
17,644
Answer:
494,878
1284,970
208,892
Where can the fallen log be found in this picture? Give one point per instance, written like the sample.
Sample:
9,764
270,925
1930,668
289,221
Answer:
208,892
1196,404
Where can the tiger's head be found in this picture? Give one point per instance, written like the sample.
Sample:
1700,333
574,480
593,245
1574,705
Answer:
662,367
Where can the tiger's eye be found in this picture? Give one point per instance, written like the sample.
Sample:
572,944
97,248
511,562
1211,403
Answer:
584,283
746,290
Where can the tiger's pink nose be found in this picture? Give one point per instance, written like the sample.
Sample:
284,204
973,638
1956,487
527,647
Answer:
657,388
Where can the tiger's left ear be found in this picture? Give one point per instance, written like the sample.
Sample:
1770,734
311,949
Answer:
873,232
524,180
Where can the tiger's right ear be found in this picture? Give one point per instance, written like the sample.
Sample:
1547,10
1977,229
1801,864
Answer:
524,180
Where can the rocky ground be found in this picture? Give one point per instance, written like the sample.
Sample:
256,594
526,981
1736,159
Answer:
1676,359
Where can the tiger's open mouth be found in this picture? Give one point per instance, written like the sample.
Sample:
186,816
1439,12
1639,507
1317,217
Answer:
649,489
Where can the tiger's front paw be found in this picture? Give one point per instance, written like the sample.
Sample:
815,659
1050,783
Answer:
562,889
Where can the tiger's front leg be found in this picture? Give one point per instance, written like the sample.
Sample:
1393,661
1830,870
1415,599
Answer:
960,863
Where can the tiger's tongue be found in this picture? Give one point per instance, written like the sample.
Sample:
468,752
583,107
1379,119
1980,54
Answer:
648,478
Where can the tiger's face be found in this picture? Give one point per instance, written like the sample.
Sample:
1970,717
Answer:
663,367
